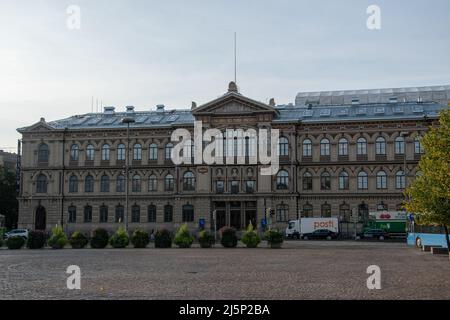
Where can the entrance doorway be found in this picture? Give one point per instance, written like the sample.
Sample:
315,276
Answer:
236,214
41,218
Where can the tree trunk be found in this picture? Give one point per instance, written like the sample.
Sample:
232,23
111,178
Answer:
447,239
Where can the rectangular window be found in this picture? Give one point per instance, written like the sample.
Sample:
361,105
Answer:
234,186
250,186
220,186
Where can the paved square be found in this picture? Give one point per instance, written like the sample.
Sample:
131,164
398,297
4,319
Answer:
301,270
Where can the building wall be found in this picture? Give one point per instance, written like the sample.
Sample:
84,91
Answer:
58,199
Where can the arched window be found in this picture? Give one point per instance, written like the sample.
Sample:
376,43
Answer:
137,152
153,152
168,213
168,183
135,214
283,147
41,184
89,184
136,183
307,211
343,147
120,183
90,153
381,180
345,212
399,145
168,151
103,214
74,152
72,214
282,213
87,214
73,184
325,181
282,180
43,153
307,181
188,151
105,152
380,146
343,181
325,147
400,180
418,148
361,146
307,148
362,180
188,213
326,210
152,183
189,181
119,214
151,213
121,152
104,183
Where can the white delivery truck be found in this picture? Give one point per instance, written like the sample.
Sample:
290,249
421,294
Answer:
297,228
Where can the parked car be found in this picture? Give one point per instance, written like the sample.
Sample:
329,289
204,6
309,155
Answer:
17,233
320,234
375,234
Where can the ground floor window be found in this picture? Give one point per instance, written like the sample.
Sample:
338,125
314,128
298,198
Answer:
188,213
119,214
282,213
72,214
135,214
168,213
103,214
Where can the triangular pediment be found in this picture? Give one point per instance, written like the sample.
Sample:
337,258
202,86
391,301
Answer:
233,104
40,126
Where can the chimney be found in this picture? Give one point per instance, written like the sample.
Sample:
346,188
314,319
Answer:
160,108
130,109
108,110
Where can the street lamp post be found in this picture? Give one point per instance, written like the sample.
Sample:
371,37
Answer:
127,121
403,135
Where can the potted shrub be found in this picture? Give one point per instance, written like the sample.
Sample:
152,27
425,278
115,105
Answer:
36,239
15,242
78,240
183,238
163,239
250,237
58,239
99,239
274,238
120,239
140,238
228,237
206,239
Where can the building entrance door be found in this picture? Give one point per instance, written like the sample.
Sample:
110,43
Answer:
235,215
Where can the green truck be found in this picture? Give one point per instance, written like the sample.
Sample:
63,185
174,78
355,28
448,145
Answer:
393,222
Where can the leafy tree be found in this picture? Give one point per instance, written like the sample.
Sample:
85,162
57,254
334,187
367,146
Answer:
8,197
429,195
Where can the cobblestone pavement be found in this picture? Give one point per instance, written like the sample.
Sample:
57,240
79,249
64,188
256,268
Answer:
301,270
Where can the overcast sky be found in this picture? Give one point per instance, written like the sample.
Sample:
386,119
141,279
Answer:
144,53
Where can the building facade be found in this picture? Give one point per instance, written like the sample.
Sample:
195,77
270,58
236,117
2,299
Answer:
337,159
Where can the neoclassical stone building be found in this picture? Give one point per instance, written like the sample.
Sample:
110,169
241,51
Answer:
339,152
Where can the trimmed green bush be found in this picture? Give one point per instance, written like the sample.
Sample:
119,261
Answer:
99,239
228,237
183,238
206,239
250,237
58,239
140,238
120,239
274,238
36,239
78,240
14,243
163,239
